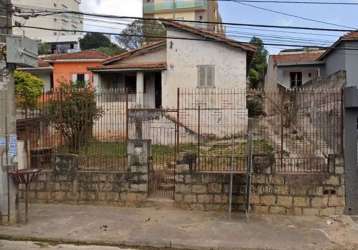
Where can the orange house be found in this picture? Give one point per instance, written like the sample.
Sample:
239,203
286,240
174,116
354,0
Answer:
73,67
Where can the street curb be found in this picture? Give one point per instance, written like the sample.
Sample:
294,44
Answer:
127,244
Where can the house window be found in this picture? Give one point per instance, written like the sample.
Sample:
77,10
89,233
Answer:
81,79
296,79
206,76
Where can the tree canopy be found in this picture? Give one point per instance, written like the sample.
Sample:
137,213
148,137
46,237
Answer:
140,32
101,43
94,41
258,65
28,88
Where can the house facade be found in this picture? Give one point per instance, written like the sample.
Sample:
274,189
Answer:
200,59
64,68
294,68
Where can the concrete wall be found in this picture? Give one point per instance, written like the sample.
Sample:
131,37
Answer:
50,21
315,194
347,60
335,61
183,57
155,56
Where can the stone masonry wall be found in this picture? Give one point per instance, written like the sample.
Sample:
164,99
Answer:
83,187
306,194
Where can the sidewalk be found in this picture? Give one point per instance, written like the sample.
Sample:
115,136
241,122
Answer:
154,227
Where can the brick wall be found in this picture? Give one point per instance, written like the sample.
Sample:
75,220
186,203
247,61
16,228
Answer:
81,187
309,194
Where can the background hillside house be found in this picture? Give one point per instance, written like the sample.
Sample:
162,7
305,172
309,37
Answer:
294,68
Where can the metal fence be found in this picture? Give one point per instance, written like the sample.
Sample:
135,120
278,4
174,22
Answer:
293,131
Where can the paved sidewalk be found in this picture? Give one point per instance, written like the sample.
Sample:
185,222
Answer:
154,227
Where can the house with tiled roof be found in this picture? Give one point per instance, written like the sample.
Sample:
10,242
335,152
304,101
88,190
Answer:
65,68
293,68
199,59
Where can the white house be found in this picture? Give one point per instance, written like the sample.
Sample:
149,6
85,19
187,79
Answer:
189,58
198,60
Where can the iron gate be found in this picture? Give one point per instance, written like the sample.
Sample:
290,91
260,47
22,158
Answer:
160,126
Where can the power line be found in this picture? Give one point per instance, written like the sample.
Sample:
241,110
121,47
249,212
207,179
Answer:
289,2
184,38
193,21
295,16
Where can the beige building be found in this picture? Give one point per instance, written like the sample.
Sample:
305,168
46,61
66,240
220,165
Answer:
60,41
193,10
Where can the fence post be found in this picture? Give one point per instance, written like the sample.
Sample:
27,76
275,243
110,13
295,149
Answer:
249,171
281,118
127,110
199,136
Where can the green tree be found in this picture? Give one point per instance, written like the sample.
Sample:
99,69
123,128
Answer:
44,48
139,32
111,50
72,111
28,89
258,65
94,41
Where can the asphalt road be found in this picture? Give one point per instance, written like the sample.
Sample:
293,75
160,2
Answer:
28,245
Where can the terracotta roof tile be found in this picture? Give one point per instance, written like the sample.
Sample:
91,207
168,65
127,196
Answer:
147,66
351,36
143,50
211,35
82,55
297,57
43,64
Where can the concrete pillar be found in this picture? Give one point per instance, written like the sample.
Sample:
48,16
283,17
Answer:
7,135
140,90
96,82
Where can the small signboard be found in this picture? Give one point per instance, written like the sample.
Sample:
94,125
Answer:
22,51
12,145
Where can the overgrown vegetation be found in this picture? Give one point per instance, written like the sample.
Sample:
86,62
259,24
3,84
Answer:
28,89
258,65
101,43
72,111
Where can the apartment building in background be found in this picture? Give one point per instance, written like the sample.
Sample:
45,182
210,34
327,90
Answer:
193,10
58,41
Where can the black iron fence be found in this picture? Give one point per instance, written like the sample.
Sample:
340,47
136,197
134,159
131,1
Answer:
293,131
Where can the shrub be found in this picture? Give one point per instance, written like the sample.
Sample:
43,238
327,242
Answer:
72,111
28,88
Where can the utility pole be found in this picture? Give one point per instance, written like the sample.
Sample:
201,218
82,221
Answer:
174,9
8,139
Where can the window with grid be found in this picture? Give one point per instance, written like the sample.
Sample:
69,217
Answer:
206,76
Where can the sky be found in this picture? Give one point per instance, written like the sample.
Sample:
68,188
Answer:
343,16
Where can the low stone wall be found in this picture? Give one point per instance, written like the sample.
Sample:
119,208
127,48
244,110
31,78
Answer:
84,187
306,194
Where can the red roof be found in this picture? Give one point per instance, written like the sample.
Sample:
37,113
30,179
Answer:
133,66
135,52
43,64
250,48
296,58
82,55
